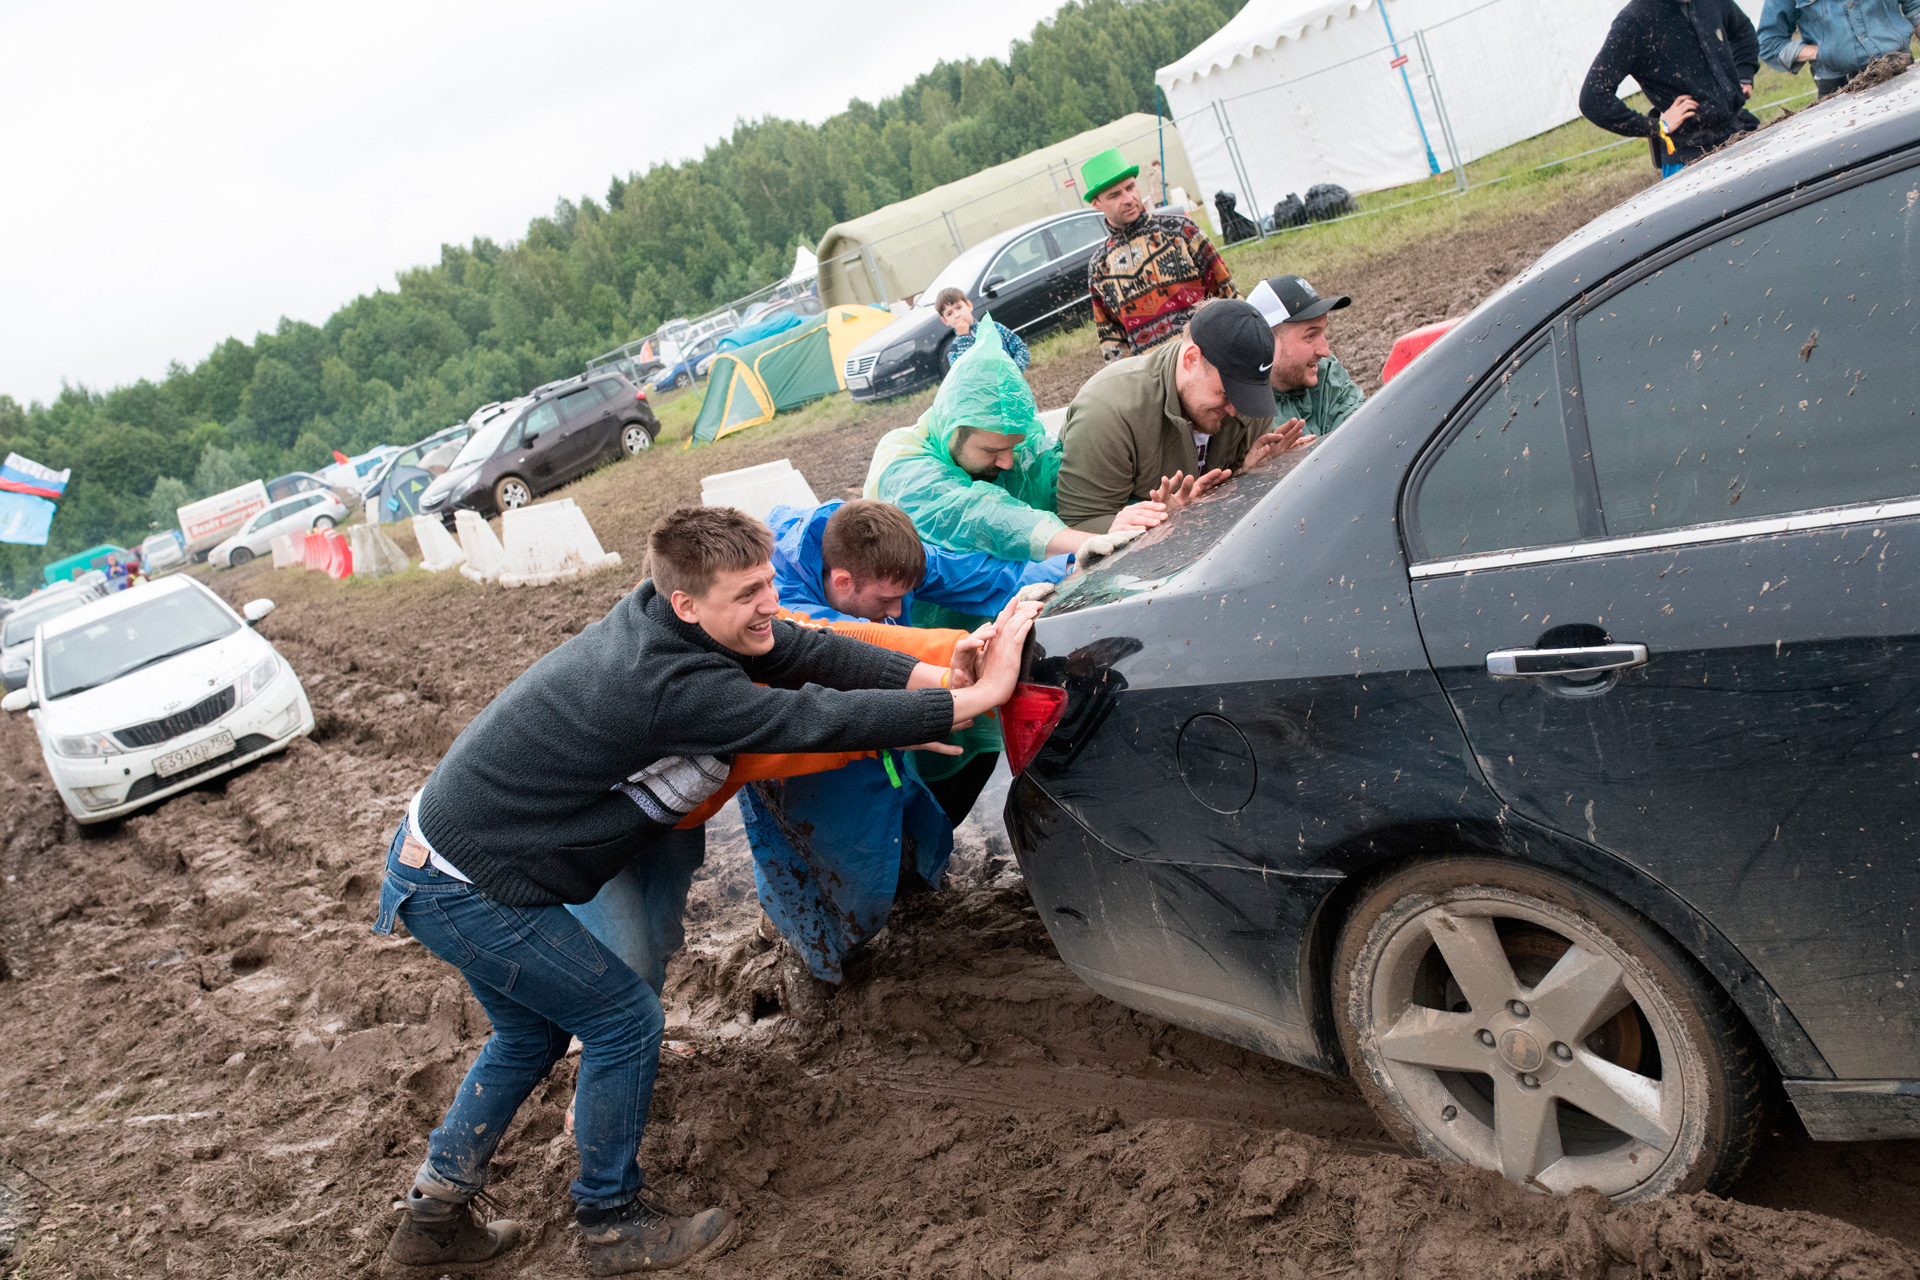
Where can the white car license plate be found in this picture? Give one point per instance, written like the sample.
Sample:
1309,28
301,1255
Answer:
859,383
186,757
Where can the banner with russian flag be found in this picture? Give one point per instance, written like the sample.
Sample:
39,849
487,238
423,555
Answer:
27,494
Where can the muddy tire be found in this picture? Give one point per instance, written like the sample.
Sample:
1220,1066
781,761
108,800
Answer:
1501,1015
510,493
238,556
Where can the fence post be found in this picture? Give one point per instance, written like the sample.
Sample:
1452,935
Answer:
1239,169
1440,109
873,275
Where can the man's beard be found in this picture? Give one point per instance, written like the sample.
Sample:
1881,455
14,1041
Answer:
988,473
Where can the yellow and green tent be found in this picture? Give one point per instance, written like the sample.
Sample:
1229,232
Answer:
748,386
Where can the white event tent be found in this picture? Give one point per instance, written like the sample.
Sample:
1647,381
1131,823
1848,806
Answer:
1290,93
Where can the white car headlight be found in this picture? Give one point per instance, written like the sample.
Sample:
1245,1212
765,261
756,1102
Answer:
257,678
86,744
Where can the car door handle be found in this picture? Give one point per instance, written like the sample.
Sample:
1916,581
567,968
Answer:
1524,663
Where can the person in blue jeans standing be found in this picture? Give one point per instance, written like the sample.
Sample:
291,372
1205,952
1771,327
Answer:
579,770
1837,38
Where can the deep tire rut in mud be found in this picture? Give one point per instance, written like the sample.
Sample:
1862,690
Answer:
213,1069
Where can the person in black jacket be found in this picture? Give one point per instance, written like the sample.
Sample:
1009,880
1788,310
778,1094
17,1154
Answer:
583,764
1694,59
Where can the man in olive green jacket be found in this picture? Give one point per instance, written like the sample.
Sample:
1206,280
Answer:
1173,423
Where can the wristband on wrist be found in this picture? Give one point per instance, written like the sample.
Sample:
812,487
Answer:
946,678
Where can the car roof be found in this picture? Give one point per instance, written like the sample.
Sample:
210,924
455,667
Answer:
110,605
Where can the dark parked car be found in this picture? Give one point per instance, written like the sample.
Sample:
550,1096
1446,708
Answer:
560,432
1543,746
1030,279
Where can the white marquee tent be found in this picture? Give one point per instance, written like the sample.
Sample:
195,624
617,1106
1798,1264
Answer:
1295,92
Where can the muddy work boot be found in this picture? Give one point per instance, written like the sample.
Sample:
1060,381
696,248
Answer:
640,1237
439,1233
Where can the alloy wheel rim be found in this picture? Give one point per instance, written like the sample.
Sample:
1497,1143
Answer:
636,439
1553,1082
515,495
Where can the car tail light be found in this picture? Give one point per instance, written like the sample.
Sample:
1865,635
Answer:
1028,720
641,394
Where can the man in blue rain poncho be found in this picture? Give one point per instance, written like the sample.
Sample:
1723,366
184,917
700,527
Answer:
832,849
978,471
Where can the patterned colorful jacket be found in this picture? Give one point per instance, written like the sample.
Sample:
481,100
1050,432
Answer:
1147,279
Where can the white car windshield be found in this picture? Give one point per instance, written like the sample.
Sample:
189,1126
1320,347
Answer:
22,621
962,271
138,636
486,438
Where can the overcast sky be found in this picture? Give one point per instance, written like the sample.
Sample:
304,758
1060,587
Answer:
172,175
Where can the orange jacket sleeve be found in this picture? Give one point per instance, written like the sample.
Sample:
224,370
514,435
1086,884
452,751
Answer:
929,645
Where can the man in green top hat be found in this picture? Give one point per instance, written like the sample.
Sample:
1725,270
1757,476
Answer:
1154,269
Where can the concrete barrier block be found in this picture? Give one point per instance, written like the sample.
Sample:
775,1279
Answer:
758,490
550,542
438,550
375,554
485,558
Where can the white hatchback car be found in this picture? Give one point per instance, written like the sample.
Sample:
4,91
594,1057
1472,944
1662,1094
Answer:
298,514
149,691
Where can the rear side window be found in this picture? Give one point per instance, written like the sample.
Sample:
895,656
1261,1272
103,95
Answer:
575,403
1079,233
1776,370
1505,480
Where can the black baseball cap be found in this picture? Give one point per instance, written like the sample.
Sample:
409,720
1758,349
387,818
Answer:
1283,299
1238,343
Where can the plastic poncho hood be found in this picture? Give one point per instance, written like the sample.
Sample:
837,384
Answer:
1010,516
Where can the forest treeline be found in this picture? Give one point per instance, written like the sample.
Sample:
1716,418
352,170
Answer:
490,321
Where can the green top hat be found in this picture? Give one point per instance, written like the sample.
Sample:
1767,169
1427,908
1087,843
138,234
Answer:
1106,169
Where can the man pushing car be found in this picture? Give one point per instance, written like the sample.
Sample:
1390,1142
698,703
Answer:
577,769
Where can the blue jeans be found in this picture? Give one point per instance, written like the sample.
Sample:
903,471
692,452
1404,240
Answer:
640,914
541,978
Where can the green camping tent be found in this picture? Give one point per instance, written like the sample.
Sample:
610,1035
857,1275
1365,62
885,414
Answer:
746,387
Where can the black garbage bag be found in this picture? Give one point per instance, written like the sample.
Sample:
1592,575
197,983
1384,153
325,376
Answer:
1289,213
1234,226
1328,200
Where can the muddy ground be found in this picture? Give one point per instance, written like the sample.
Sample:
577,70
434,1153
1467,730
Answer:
212,1069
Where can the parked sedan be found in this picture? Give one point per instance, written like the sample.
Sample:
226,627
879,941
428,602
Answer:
1031,278
1542,747
301,513
147,692
557,434
16,633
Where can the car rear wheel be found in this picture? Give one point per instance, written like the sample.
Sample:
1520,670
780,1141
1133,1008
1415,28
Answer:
323,523
635,438
1501,1015
238,556
511,493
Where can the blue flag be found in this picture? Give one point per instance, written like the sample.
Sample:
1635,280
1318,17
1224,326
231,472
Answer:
25,519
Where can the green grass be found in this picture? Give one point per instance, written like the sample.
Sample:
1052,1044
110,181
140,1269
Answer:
1510,183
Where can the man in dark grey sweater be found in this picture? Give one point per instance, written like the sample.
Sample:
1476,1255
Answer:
580,766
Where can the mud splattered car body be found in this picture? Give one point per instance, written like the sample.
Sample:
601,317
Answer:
1418,639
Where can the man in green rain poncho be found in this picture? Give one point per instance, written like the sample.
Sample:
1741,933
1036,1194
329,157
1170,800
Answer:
977,473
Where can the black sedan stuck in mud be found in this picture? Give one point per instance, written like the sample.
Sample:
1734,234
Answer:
1543,747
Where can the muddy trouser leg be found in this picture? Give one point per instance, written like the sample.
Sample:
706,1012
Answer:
640,914
541,977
